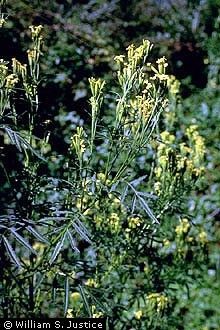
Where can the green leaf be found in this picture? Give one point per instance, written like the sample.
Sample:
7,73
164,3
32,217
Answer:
11,252
85,301
72,242
20,142
37,235
66,298
147,209
57,249
137,181
81,232
21,239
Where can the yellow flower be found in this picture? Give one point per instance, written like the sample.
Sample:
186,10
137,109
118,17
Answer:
11,80
130,50
162,160
32,54
162,64
101,177
119,59
190,239
3,69
138,314
82,146
114,222
18,68
96,86
75,296
92,283
78,143
158,301
95,313
2,22
157,187
134,222
35,30
183,227
166,242
167,137
202,237
158,172
173,85
69,313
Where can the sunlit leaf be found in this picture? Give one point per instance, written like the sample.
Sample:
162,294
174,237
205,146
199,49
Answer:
11,252
85,301
57,249
66,296
37,235
23,241
72,241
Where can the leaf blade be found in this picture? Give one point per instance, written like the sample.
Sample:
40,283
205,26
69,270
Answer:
57,249
22,240
11,252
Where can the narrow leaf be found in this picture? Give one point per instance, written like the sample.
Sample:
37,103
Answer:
17,142
37,235
147,209
81,225
72,241
57,249
82,292
137,181
11,136
133,205
66,298
22,241
38,282
11,252
124,194
81,233
148,195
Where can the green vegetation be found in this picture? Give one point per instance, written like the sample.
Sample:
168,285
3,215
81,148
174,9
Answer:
109,132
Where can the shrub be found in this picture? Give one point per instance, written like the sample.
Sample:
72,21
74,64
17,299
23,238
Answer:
110,235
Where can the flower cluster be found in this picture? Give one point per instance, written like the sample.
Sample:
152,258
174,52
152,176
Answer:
143,106
19,69
178,164
92,283
7,84
30,73
36,31
136,78
197,145
183,227
187,240
78,143
134,57
112,223
138,314
134,222
11,81
173,85
96,87
158,301
2,21
35,52
160,71
203,238
96,313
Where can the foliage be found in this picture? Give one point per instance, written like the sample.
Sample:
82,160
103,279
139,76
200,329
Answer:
104,212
